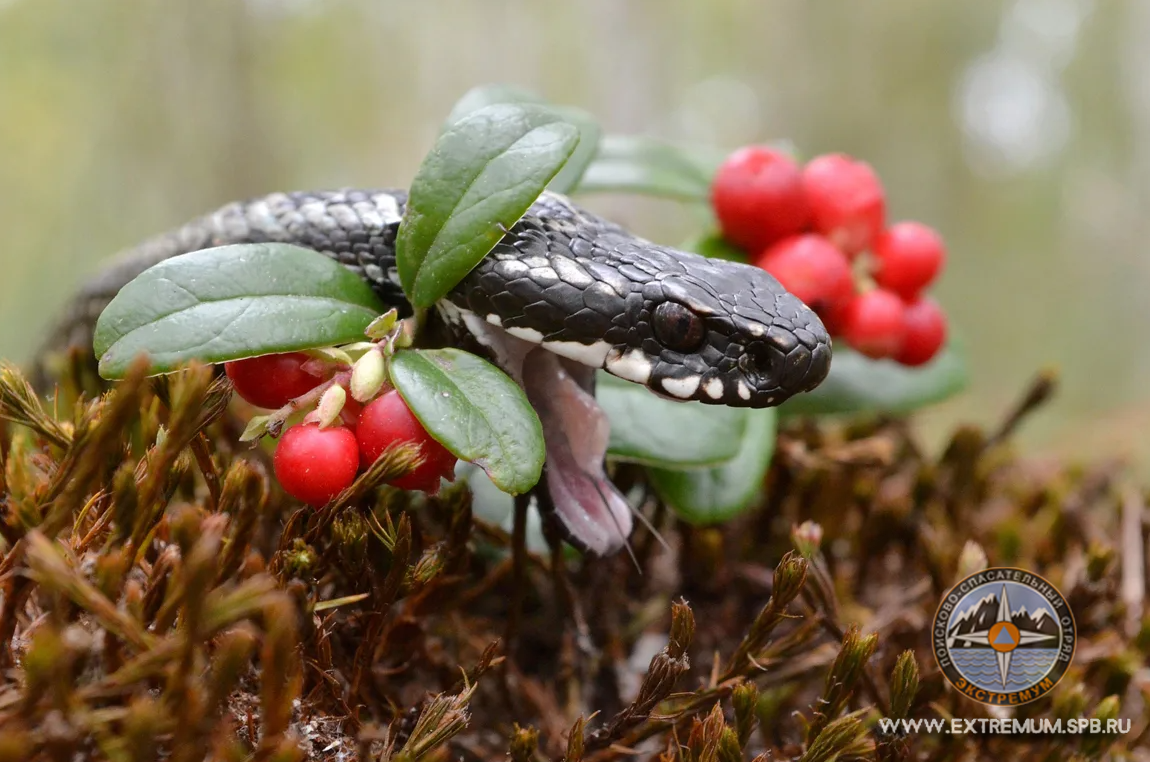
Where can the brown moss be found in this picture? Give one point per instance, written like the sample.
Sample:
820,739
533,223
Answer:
161,598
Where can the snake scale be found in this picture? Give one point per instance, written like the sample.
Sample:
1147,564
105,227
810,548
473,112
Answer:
564,293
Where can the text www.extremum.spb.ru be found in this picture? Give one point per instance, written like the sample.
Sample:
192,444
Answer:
990,726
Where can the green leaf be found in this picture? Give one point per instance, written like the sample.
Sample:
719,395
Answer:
857,384
589,132
631,164
711,495
648,429
714,246
481,176
232,302
482,96
572,173
474,410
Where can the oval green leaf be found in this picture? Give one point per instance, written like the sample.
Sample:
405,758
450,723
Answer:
711,495
857,384
632,164
660,432
474,410
482,175
589,132
482,96
232,302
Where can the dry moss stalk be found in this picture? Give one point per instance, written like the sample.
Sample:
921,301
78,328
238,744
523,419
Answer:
161,598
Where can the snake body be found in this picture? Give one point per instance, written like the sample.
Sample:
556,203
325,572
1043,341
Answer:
583,290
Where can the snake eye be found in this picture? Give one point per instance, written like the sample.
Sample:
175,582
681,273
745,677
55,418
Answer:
677,328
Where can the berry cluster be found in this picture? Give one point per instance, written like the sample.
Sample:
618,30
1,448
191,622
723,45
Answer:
318,458
808,226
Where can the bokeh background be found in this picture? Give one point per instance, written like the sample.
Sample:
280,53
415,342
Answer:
1020,129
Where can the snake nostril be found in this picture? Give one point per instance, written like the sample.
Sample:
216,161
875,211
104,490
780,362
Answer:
766,362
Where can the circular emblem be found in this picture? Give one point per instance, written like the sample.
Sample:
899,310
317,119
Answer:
1004,636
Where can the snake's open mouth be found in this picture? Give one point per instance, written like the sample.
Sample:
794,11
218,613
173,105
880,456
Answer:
575,432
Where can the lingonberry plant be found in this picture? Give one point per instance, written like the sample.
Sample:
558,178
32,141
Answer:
346,381
815,227
315,464
758,197
847,202
272,381
812,269
388,420
908,258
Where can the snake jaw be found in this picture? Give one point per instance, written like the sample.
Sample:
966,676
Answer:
595,516
590,511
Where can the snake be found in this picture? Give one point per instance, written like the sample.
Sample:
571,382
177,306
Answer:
564,294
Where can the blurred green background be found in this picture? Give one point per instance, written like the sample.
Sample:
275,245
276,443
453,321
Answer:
1020,129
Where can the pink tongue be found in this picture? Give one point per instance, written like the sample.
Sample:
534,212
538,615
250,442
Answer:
575,431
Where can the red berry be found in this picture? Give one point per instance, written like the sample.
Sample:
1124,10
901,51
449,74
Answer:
387,420
313,464
846,201
271,381
874,323
834,317
908,256
925,332
810,268
758,197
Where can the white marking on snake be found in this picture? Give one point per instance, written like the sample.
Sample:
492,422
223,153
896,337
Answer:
744,390
369,215
588,354
315,212
511,267
572,273
451,313
261,214
343,214
535,261
527,334
494,320
633,365
714,388
682,388
544,275
387,206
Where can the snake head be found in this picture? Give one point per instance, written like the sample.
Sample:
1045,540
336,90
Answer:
721,333
685,326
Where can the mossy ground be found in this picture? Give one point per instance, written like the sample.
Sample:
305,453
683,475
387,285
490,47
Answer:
162,599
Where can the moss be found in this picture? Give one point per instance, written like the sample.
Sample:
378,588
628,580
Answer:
161,598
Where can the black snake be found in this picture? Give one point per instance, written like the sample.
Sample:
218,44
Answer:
563,293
